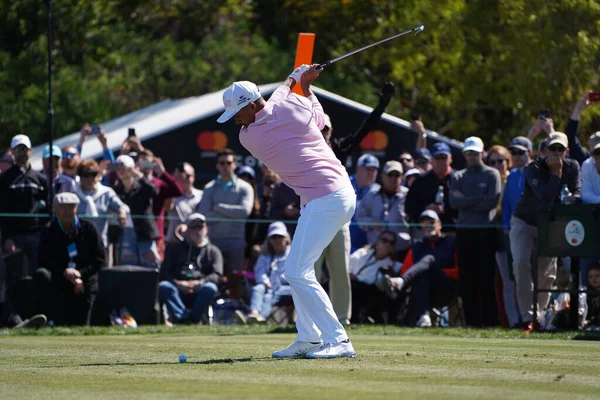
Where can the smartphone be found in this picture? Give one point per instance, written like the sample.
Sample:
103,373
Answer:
95,130
544,114
414,116
594,96
115,166
131,132
146,164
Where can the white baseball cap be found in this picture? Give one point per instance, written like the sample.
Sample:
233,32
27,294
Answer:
236,97
18,140
126,161
473,143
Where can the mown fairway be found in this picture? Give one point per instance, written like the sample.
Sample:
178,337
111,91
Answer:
392,363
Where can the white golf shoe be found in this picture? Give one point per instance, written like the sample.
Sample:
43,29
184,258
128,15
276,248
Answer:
333,350
297,349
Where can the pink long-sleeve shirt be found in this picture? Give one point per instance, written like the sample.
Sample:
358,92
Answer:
286,137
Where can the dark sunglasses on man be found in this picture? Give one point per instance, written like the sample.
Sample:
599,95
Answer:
557,148
516,152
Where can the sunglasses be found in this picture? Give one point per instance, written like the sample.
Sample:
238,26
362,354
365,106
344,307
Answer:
394,174
196,226
21,149
276,237
441,157
89,174
471,153
422,161
498,161
69,155
225,162
596,152
387,241
557,148
517,152
406,160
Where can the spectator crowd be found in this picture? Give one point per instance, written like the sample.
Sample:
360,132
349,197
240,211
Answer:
428,244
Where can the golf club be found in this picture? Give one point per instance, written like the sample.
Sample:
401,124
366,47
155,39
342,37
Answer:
416,30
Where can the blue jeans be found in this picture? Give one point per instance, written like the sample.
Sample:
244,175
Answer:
203,296
264,300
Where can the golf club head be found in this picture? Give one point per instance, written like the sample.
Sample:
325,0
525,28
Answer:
419,29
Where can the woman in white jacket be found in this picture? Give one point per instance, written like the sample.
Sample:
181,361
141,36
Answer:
97,201
367,270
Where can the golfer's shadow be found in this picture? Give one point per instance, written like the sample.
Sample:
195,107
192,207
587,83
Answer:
204,362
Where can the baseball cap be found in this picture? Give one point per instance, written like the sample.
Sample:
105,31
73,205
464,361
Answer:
392,166
126,161
473,143
66,198
440,148
246,170
521,143
422,153
195,217
368,161
595,141
558,137
430,214
412,172
277,228
327,122
236,97
56,152
18,140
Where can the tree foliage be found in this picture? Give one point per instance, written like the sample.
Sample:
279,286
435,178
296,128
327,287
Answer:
481,67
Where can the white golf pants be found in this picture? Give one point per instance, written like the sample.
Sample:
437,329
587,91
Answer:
320,220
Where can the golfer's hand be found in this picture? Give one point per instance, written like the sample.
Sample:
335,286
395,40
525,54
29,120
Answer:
296,75
309,76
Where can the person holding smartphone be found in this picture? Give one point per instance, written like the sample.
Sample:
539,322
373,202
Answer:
154,171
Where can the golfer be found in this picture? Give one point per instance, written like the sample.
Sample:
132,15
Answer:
285,134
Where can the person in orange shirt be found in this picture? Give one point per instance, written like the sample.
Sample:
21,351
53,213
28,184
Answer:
430,269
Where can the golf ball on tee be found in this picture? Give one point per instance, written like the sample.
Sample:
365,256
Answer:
182,358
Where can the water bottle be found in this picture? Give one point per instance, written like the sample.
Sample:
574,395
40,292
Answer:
564,195
439,196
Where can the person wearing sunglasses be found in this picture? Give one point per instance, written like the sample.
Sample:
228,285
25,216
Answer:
521,151
69,162
422,195
500,158
430,269
423,159
590,191
60,182
383,209
474,192
98,202
544,181
186,204
228,197
367,270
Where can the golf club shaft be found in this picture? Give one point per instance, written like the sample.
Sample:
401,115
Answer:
327,63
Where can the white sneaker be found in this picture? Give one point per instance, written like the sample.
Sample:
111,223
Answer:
241,317
297,349
255,318
424,321
334,350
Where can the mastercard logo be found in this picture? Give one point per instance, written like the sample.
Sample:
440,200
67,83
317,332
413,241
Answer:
375,140
212,140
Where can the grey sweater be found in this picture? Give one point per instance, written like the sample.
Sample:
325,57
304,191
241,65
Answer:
481,186
221,201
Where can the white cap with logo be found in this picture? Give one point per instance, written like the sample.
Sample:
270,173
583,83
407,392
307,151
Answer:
18,140
236,97
473,143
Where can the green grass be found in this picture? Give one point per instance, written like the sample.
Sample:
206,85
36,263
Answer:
232,362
